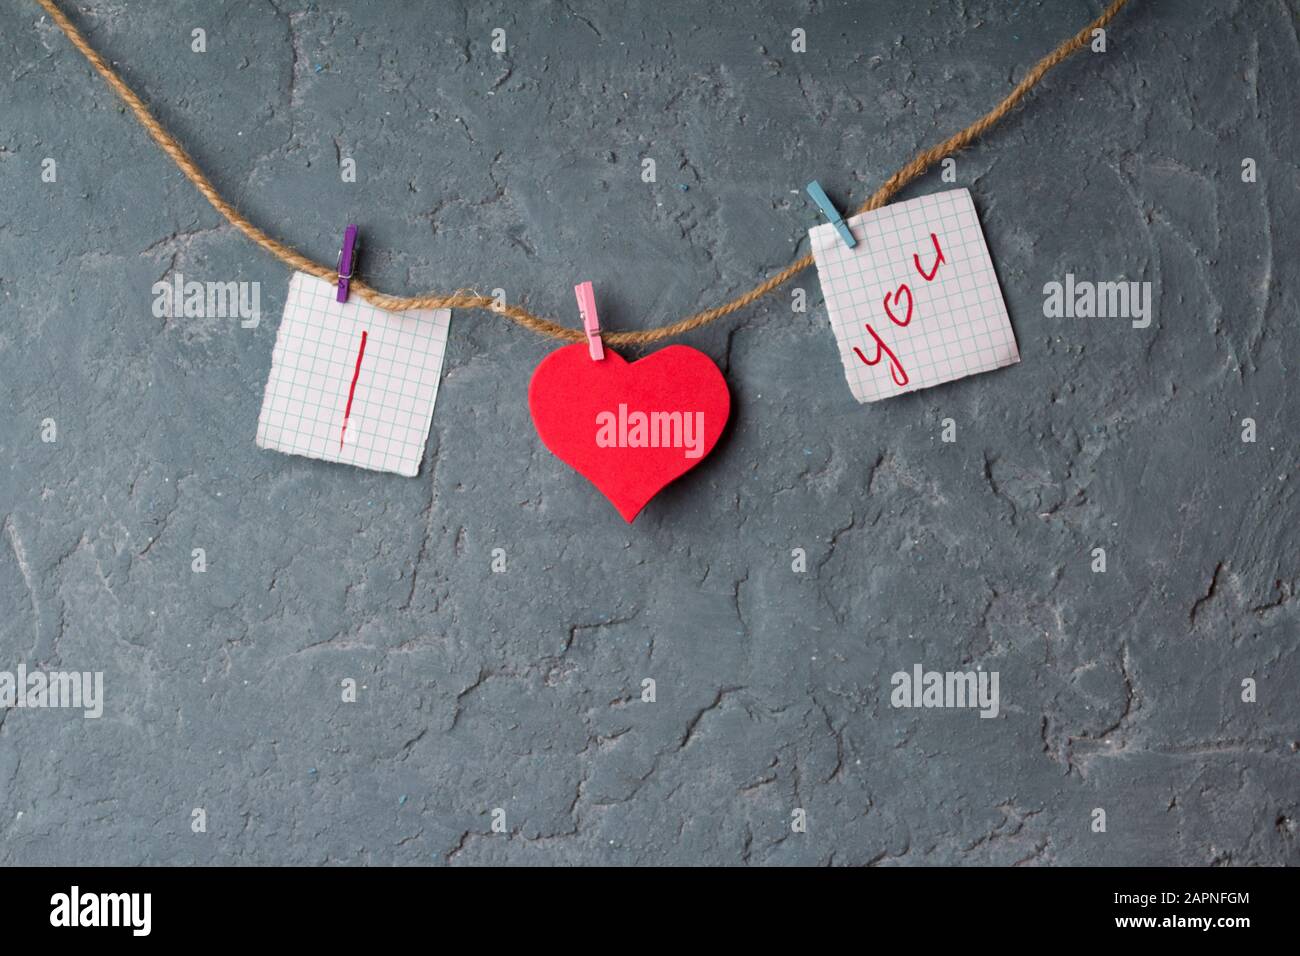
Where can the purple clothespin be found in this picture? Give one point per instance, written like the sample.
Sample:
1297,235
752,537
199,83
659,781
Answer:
347,261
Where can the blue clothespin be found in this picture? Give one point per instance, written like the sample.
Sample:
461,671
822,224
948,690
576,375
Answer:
347,261
828,209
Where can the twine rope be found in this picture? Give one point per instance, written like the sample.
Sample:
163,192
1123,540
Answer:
521,316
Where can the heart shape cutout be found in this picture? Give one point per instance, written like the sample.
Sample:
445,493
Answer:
629,428
898,294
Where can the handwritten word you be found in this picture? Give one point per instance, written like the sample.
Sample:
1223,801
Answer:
900,315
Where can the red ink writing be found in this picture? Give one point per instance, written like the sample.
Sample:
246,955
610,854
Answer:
902,323
938,258
356,374
896,370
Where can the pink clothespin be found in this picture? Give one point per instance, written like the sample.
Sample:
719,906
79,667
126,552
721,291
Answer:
347,261
590,323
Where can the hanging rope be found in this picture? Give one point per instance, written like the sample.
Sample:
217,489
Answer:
521,316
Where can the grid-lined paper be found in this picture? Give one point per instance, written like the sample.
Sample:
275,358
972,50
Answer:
318,355
958,325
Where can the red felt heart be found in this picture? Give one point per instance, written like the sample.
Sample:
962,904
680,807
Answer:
629,428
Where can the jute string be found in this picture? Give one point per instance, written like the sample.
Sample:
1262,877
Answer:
542,326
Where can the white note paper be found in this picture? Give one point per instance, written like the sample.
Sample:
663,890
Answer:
916,302
351,383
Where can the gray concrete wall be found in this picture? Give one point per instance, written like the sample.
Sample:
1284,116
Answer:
521,690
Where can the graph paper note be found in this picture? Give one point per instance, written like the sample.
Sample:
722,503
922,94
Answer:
916,302
351,383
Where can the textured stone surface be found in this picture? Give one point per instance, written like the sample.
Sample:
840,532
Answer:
521,690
